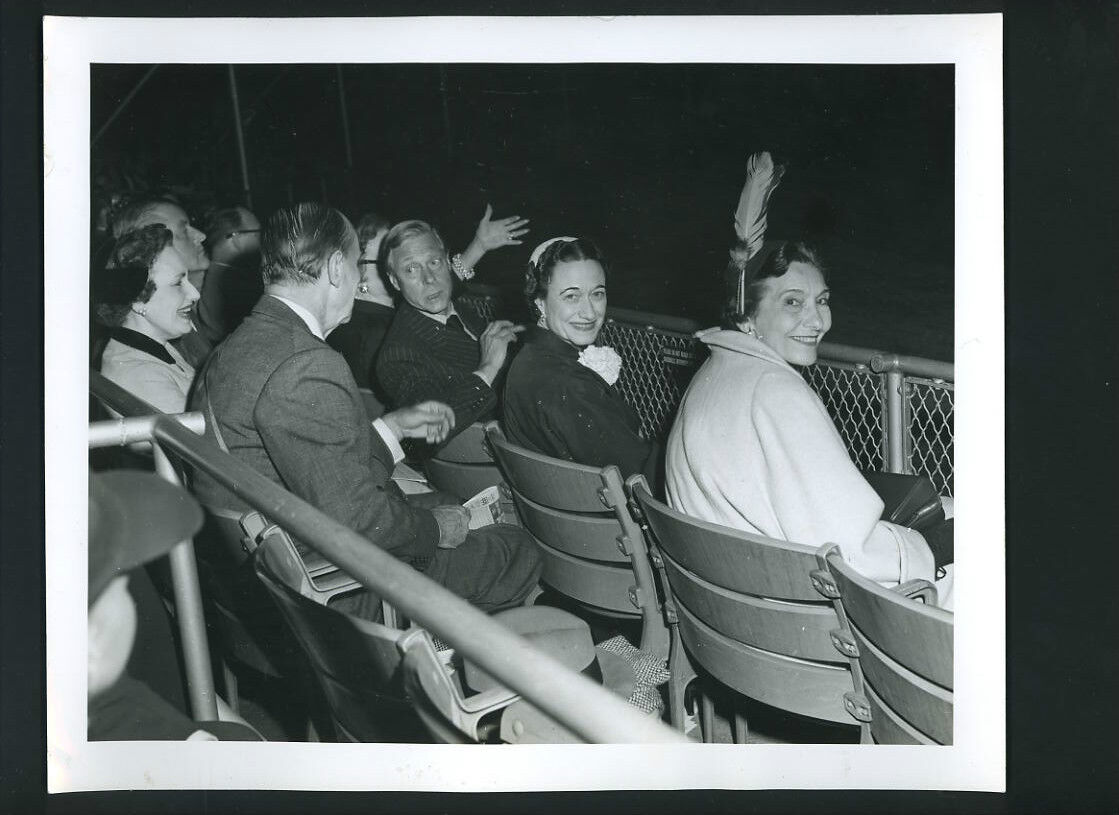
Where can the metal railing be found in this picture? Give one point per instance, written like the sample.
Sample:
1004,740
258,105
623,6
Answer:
589,710
894,413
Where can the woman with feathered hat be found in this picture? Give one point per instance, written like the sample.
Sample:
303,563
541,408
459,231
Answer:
753,447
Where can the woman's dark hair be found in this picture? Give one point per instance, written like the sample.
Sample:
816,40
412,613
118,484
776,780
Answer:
297,240
539,274
125,280
369,225
772,260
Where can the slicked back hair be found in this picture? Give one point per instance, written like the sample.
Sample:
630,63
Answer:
400,233
298,240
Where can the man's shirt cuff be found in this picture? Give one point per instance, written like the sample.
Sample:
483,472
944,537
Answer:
484,378
389,438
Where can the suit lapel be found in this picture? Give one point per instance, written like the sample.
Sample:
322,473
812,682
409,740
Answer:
471,319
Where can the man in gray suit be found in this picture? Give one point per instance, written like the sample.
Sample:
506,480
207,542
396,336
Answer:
285,402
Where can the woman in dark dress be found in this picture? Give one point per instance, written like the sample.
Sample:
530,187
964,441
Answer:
360,339
560,398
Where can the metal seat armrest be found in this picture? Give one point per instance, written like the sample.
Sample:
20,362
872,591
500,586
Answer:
920,590
425,669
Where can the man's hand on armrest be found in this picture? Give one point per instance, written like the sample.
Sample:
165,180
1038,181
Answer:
454,524
431,421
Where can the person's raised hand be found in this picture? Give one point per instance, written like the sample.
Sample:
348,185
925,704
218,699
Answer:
431,421
502,232
454,524
494,344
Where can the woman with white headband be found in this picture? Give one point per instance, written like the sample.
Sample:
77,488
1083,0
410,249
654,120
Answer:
560,398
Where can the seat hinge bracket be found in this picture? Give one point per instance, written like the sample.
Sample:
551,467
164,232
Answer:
623,545
824,583
844,643
857,705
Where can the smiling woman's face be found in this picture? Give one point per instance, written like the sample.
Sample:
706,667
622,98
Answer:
166,315
575,306
793,316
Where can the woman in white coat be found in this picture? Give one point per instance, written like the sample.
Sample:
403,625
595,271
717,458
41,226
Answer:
754,448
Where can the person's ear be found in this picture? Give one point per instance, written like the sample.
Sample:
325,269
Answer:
334,268
747,327
540,306
393,281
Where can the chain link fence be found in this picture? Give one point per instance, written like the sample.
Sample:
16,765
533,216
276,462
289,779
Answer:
931,437
658,366
661,355
855,400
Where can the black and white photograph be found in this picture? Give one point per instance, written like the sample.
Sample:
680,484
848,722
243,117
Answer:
525,382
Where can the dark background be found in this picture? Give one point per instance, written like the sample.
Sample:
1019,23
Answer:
646,159
1062,252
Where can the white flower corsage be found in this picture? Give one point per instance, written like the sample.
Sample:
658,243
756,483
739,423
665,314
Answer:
462,271
603,360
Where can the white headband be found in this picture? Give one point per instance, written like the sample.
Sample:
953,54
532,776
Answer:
534,258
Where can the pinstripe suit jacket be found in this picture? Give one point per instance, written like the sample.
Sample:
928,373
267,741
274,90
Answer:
422,359
288,406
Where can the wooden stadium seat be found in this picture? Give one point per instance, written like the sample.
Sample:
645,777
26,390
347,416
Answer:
745,612
243,621
357,663
900,652
386,684
594,553
494,712
464,466
319,579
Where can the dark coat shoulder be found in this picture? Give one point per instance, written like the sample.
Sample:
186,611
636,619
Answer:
557,406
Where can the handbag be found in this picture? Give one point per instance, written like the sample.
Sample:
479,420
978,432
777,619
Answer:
910,500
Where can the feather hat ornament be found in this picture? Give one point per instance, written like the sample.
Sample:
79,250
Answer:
762,178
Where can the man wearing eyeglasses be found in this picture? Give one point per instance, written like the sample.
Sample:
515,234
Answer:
434,349
233,283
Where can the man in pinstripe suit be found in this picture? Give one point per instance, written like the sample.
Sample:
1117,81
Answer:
434,350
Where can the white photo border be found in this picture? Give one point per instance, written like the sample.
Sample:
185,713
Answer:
973,43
